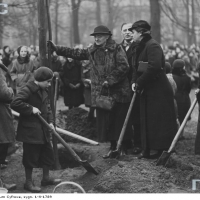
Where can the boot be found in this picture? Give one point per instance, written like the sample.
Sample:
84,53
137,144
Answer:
31,187
144,154
50,181
9,187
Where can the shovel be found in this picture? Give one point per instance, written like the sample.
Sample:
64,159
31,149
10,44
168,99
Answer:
116,153
166,154
84,163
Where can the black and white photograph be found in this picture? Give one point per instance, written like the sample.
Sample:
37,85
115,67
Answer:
99,97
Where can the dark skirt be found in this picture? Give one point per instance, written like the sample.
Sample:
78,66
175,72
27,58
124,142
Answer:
197,140
109,124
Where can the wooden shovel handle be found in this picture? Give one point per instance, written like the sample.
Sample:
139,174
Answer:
182,125
59,138
126,121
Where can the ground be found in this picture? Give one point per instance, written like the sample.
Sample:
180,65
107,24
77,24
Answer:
124,175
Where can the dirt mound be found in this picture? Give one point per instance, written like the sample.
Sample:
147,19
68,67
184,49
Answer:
76,121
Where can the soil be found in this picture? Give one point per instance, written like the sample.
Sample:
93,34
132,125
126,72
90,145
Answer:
126,174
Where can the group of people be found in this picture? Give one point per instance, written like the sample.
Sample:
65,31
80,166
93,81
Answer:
135,66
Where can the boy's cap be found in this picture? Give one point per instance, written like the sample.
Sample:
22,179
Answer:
43,74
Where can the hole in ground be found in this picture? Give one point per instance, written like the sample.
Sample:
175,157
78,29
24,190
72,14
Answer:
67,161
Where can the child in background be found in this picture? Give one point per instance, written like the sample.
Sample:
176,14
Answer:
31,100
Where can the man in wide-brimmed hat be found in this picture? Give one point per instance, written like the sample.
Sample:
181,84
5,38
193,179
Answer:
109,70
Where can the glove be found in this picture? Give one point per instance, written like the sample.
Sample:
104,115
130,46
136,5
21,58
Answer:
136,88
197,93
105,84
51,45
72,86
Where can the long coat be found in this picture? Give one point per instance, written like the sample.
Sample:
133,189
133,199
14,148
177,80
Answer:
158,118
7,130
22,73
30,129
72,74
109,63
182,96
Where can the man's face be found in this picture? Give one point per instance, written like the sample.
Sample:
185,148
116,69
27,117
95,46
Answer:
45,84
100,39
126,34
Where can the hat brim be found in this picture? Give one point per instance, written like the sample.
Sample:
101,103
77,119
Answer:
103,33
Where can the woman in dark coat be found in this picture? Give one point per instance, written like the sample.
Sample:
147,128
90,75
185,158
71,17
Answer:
183,83
7,130
158,118
73,85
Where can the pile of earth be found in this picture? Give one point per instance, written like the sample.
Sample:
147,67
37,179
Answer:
76,121
124,175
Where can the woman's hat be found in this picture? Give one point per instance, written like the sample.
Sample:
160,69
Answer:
101,30
43,74
140,24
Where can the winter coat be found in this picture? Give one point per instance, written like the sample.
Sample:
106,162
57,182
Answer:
182,96
72,75
158,118
109,63
22,73
30,129
7,130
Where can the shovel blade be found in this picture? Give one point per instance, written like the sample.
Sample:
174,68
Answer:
88,167
163,158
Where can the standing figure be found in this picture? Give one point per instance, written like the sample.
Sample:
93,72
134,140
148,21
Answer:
7,130
183,83
129,47
158,118
73,85
31,100
109,70
22,68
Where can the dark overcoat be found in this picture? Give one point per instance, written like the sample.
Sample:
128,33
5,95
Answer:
72,74
182,95
7,131
158,119
30,129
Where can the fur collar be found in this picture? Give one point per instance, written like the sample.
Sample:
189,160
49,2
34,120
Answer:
109,46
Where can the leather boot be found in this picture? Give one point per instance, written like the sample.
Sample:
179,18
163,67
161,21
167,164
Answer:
31,187
144,154
9,187
50,181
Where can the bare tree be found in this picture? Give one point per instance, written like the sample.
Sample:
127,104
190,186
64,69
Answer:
155,19
98,12
75,18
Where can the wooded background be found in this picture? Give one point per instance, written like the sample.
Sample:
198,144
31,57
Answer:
73,20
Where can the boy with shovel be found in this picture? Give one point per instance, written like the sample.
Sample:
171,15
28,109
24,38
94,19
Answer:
37,149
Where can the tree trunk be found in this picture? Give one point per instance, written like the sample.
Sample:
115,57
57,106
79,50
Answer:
42,29
75,11
188,23
193,23
56,21
98,12
155,19
110,15
1,29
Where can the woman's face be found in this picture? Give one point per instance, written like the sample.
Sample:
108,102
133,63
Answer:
136,36
23,52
